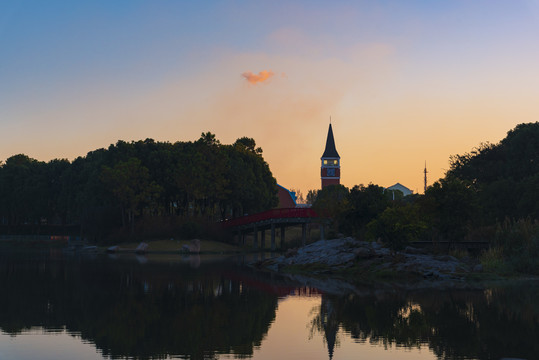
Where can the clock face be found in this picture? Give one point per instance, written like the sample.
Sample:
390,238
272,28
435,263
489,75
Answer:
331,172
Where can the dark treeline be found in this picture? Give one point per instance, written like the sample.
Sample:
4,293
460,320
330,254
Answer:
490,194
143,184
136,311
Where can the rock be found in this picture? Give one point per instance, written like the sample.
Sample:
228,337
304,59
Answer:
141,248
478,268
185,248
194,246
273,267
413,250
113,249
363,253
338,254
446,258
291,252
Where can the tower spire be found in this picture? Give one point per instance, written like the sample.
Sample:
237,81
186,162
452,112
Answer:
331,169
330,150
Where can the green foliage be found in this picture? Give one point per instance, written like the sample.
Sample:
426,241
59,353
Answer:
331,203
451,205
114,186
493,261
505,175
519,242
365,204
129,181
396,226
311,196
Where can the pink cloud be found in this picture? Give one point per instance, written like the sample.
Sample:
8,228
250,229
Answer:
257,78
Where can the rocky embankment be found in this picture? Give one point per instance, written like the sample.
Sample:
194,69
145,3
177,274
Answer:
343,263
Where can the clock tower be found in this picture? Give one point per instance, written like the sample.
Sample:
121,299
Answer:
331,162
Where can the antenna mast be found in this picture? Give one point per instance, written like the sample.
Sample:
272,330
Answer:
425,172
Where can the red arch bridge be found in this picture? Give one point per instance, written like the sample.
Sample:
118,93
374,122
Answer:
271,220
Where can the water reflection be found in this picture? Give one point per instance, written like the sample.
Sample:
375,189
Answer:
140,308
126,309
493,324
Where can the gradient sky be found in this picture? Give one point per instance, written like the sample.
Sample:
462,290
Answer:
404,81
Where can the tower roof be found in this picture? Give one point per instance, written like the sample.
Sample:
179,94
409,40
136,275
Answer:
330,150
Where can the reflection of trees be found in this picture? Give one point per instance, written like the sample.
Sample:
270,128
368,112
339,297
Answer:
491,324
136,311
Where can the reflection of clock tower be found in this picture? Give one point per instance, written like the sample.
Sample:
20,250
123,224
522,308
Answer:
331,166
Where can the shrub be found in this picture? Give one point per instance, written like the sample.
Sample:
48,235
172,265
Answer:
397,226
519,243
493,261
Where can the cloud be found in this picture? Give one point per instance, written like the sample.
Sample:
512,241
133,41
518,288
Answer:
261,77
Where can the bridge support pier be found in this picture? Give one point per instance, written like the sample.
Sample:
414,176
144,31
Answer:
303,233
272,237
282,236
263,239
255,238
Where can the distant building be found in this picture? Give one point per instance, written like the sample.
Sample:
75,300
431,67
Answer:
330,171
403,189
287,198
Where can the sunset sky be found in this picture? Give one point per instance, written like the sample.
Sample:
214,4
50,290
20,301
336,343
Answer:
404,81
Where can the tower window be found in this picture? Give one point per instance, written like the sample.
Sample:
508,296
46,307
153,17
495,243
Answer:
331,162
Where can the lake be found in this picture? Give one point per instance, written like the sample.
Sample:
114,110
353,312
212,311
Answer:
59,306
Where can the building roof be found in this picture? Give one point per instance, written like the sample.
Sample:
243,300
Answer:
330,151
398,186
287,198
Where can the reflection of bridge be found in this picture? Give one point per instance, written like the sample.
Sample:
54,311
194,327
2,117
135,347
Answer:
270,220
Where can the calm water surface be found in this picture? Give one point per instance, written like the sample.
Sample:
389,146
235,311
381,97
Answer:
59,306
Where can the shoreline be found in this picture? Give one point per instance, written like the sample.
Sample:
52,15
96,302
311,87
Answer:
348,265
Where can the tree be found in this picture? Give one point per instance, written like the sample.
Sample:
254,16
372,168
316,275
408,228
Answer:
21,180
249,144
203,179
504,175
331,203
299,196
397,226
130,183
453,206
365,204
311,196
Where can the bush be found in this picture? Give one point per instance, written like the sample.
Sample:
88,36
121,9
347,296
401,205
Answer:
397,226
519,243
493,261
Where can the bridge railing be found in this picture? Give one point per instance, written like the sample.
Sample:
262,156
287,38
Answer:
283,213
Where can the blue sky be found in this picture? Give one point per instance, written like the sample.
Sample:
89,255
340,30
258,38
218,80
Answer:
404,81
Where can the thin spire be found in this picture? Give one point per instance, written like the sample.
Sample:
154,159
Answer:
425,172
